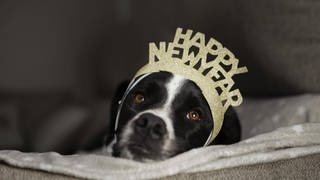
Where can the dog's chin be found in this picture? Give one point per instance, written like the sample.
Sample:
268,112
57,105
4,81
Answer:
140,152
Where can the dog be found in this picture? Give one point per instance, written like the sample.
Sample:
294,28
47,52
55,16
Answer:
163,115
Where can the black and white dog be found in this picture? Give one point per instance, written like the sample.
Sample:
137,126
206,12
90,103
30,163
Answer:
163,115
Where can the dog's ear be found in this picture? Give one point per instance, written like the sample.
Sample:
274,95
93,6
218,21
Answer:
121,89
231,129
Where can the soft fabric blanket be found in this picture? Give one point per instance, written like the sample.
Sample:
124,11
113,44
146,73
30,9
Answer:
284,143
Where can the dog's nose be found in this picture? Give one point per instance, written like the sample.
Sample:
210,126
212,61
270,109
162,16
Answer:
151,126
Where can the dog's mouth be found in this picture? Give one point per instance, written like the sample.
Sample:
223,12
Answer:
143,151
138,149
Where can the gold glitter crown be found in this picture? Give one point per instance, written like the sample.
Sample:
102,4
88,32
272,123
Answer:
205,62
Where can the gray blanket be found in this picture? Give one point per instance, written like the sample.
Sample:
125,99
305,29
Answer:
284,143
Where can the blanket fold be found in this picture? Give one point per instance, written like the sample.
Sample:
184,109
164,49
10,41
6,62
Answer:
283,143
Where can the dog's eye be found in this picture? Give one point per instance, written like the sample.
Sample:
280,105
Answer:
138,98
194,115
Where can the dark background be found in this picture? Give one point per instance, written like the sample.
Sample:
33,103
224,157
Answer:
60,61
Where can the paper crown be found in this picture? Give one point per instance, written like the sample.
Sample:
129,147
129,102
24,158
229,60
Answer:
205,62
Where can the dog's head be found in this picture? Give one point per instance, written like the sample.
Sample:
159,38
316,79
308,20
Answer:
161,116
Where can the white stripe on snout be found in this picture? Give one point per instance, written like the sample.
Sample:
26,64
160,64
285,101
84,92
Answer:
164,112
173,88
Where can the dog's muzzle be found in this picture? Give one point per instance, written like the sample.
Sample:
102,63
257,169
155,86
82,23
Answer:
149,126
